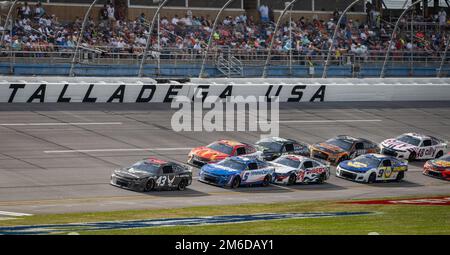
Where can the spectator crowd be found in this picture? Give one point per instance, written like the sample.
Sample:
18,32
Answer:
35,30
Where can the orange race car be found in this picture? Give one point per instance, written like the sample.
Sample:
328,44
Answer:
343,147
439,168
218,151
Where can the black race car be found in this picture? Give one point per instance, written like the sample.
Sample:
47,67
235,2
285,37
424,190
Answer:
150,174
273,147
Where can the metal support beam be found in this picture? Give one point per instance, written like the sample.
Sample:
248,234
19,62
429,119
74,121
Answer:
327,61
388,52
149,38
269,53
205,54
8,17
439,74
80,38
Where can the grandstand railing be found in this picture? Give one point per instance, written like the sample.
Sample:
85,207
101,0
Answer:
108,55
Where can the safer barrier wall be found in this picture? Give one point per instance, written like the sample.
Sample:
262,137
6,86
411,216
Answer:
132,90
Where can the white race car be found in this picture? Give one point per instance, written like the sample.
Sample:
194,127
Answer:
292,169
413,146
371,168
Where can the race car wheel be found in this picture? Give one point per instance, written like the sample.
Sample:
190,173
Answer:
439,154
321,178
400,176
291,180
236,182
412,156
266,181
150,185
372,178
182,185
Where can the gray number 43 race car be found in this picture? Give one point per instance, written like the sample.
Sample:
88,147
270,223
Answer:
151,174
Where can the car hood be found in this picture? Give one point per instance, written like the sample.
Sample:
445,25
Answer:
354,166
439,163
328,148
282,169
205,152
132,173
396,144
219,170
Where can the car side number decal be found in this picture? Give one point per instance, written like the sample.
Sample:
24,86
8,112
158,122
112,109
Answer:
245,176
164,180
380,173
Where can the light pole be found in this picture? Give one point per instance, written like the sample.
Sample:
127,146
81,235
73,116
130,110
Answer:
269,54
80,37
327,61
205,54
443,57
149,38
8,16
386,57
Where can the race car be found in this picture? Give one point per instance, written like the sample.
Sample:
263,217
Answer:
414,146
292,169
370,168
273,147
342,147
439,168
151,174
217,151
234,172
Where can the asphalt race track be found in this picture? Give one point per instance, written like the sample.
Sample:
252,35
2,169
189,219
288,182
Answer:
57,158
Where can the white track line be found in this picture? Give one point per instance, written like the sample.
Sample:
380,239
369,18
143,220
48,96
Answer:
4,213
61,124
326,121
119,150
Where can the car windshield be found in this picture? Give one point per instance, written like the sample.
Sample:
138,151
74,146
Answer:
367,161
341,143
272,146
233,164
288,162
409,140
221,148
146,167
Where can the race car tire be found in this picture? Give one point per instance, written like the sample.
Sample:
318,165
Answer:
236,182
266,181
372,178
439,154
400,176
321,178
412,156
182,185
292,179
150,185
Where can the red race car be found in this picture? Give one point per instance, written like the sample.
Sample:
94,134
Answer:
439,168
217,151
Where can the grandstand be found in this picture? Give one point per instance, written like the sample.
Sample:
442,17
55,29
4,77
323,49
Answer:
43,38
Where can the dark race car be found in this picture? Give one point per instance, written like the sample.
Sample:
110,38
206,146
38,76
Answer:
273,147
150,174
343,147
438,168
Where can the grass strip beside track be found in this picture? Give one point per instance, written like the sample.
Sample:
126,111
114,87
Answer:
392,219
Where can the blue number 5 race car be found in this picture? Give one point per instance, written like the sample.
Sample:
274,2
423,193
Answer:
237,171
372,167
